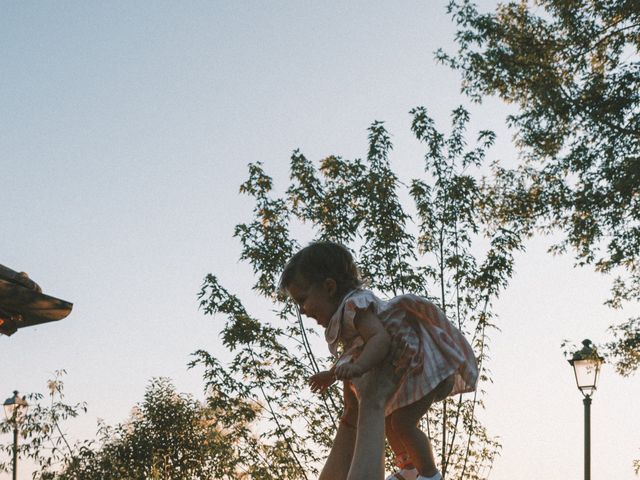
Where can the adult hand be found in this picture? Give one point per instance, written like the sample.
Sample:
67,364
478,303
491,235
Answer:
347,371
381,382
377,385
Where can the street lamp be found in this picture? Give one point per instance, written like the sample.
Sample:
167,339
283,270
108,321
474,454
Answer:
586,366
15,409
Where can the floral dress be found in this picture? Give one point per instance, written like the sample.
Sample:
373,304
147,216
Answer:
433,349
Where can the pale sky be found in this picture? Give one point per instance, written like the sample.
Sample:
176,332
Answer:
125,131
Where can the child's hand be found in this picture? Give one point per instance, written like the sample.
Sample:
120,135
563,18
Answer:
347,371
320,382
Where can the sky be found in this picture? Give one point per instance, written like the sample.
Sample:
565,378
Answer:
125,131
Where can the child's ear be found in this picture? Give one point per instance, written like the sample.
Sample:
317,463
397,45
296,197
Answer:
331,286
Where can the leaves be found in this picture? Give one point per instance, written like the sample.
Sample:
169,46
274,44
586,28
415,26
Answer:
357,202
572,70
624,348
42,439
168,436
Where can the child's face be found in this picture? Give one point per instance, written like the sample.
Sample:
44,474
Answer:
318,300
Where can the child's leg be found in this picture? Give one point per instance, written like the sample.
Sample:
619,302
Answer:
395,441
404,424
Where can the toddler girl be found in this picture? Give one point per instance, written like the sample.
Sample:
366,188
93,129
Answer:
432,356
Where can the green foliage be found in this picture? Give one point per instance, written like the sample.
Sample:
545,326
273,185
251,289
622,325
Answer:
573,70
168,436
41,438
356,202
624,348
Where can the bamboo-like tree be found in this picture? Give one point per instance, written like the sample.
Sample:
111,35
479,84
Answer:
449,251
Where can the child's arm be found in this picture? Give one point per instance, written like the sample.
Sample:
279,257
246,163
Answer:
376,346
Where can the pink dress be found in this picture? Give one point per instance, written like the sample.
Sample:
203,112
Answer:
434,348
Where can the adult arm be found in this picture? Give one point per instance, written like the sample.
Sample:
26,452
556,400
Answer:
374,389
339,460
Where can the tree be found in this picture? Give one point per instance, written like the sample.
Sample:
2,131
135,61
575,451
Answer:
43,440
572,69
357,203
168,436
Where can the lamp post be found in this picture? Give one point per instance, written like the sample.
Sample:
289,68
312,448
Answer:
586,366
15,409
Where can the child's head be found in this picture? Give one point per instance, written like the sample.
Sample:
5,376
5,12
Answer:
317,277
320,261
